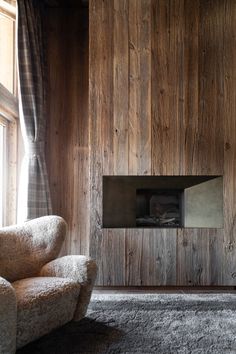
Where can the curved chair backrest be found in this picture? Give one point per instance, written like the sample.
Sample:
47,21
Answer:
25,248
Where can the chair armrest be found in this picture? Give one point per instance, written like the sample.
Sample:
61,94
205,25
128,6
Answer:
8,314
79,268
82,269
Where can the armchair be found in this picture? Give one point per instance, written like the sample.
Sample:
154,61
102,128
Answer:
38,292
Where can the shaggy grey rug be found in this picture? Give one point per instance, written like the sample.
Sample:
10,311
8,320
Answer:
147,323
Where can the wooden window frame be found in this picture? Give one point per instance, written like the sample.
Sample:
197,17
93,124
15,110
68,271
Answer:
3,153
9,117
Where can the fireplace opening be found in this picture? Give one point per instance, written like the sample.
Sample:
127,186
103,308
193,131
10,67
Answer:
162,202
159,208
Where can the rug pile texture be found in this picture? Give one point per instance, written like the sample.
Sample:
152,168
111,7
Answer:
147,323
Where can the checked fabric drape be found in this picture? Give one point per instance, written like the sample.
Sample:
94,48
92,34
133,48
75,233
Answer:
34,195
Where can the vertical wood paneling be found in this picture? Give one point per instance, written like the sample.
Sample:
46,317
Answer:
159,260
229,108
121,87
101,117
162,95
134,254
96,55
167,86
216,260
121,138
55,129
80,218
139,120
165,256
144,142
67,127
150,257
198,249
78,58
191,95
210,147
167,115
139,87
199,257
134,85
182,82
112,263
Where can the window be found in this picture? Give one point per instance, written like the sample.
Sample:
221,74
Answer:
8,114
2,169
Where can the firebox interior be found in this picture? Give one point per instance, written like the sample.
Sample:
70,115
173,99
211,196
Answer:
162,202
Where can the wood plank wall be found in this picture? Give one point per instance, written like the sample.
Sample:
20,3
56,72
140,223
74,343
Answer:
162,87
67,129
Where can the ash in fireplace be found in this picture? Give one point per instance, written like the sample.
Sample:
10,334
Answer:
158,210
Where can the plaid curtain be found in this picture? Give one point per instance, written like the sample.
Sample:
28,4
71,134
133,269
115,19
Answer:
34,196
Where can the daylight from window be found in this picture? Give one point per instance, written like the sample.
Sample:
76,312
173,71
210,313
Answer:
7,47
2,162
8,115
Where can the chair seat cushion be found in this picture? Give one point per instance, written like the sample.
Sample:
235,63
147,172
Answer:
43,304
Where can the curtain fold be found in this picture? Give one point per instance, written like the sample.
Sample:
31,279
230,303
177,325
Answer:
34,195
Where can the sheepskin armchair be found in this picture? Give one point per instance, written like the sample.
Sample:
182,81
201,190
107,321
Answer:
38,291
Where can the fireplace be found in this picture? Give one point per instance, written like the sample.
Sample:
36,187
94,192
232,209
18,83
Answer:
162,201
159,208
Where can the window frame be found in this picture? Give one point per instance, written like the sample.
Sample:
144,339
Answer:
9,118
3,177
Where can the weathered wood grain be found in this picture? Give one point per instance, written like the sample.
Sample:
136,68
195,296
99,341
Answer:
167,104
121,87
191,83
209,157
139,87
56,112
199,257
95,56
113,260
162,95
229,114
67,148
150,257
134,254
167,87
101,49
139,120
185,112
114,240
200,251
